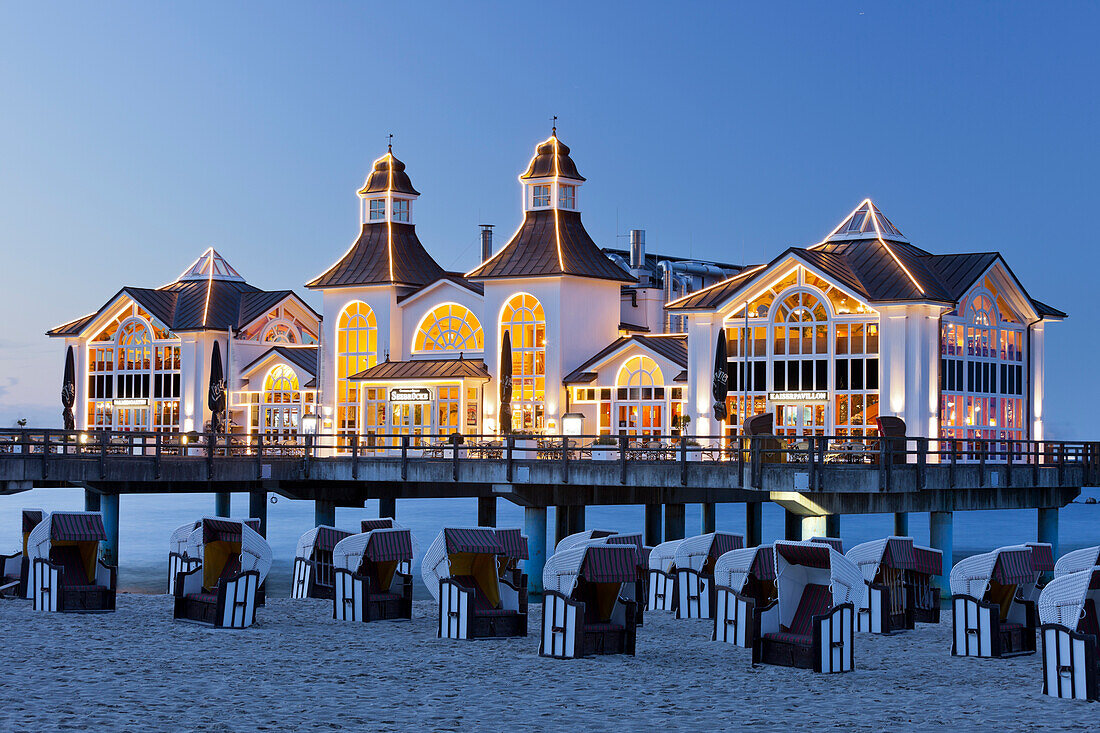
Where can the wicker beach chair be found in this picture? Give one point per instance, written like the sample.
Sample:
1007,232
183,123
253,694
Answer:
386,523
661,594
1042,561
1070,631
515,552
639,592
178,559
461,571
812,624
15,568
1074,562
312,574
584,611
222,588
368,584
744,581
580,538
887,603
993,614
927,563
66,571
833,542
694,560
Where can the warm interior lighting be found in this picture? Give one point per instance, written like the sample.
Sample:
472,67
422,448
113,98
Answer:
572,423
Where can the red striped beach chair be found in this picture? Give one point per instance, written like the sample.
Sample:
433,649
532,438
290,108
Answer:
1070,631
695,558
515,552
67,573
834,542
927,564
887,604
639,591
368,584
812,624
584,612
744,581
992,611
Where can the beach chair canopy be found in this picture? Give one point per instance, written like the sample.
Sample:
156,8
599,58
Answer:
833,542
385,547
927,560
1078,560
663,556
596,562
580,538
1005,565
734,568
515,544
798,564
78,533
1042,556
468,551
696,552
380,523
323,538
1064,600
635,539
891,552
220,542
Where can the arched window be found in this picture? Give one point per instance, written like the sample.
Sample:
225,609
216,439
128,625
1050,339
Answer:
281,406
982,312
640,397
356,350
449,327
525,320
280,332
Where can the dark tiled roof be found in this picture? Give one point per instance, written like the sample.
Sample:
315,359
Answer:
72,328
624,326
375,260
304,357
552,159
254,305
388,175
671,347
715,295
456,277
533,251
426,369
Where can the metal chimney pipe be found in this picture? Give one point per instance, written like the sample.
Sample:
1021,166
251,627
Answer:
637,249
486,241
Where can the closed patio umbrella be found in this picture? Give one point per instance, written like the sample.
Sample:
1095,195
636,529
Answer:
506,384
720,385
216,398
68,391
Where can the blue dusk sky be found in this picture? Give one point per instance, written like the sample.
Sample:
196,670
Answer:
135,135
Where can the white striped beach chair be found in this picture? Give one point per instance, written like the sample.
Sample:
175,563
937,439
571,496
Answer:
1070,632
992,611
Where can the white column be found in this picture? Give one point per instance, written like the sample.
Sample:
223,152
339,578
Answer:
1037,375
701,341
80,364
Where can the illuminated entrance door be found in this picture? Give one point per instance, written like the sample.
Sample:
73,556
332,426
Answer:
411,418
131,418
801,419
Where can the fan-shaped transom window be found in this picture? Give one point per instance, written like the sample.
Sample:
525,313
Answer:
449,327
280,332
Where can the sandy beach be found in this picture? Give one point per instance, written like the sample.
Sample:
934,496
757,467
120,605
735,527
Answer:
297,669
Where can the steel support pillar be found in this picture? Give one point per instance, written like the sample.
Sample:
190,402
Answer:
91,501
222,506
901,524
754,523
707,518
324,513
814,527
1048,527
534,526
387,507
576,519
486,511
108,506
561,524
792,526
653,524
674,522
257,509
941,537
832,525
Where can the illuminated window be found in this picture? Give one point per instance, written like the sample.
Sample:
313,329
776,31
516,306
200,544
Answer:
356,350
400,210
281,406
540,196
449,327
640,403
377,209
524,319
280,332
567,196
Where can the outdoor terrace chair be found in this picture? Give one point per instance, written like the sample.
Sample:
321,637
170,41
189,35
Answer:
221,590
887,603
461,570
1070,631
811,625
993,614
368,583
662,594
695,558
744,581
927,564
584,611
67,573
15,568
312,574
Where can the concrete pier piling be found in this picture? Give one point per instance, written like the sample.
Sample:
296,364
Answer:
534,526
324,513
707,518
792,526
91,501
675,522
832,525
814,527
653,518
222,504
754,523
901,524
1048,527
387,507
257,508
486,511
108,506
941,537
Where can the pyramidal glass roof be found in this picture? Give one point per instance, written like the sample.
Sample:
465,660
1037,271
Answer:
211,266
865,222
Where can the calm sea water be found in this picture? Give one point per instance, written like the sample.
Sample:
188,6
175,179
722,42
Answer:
146,521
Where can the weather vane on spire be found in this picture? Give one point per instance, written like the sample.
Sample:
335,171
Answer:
390,146
554,129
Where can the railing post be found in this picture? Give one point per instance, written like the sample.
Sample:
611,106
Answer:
982,447
811,459
883,462
741,461
454,457
564,459
355,456
404,458
922,462
45,454
623,441
103,453
307,459
1061,463
509,445
1009,450
755,458
209,455
156,452
259,455
683,460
